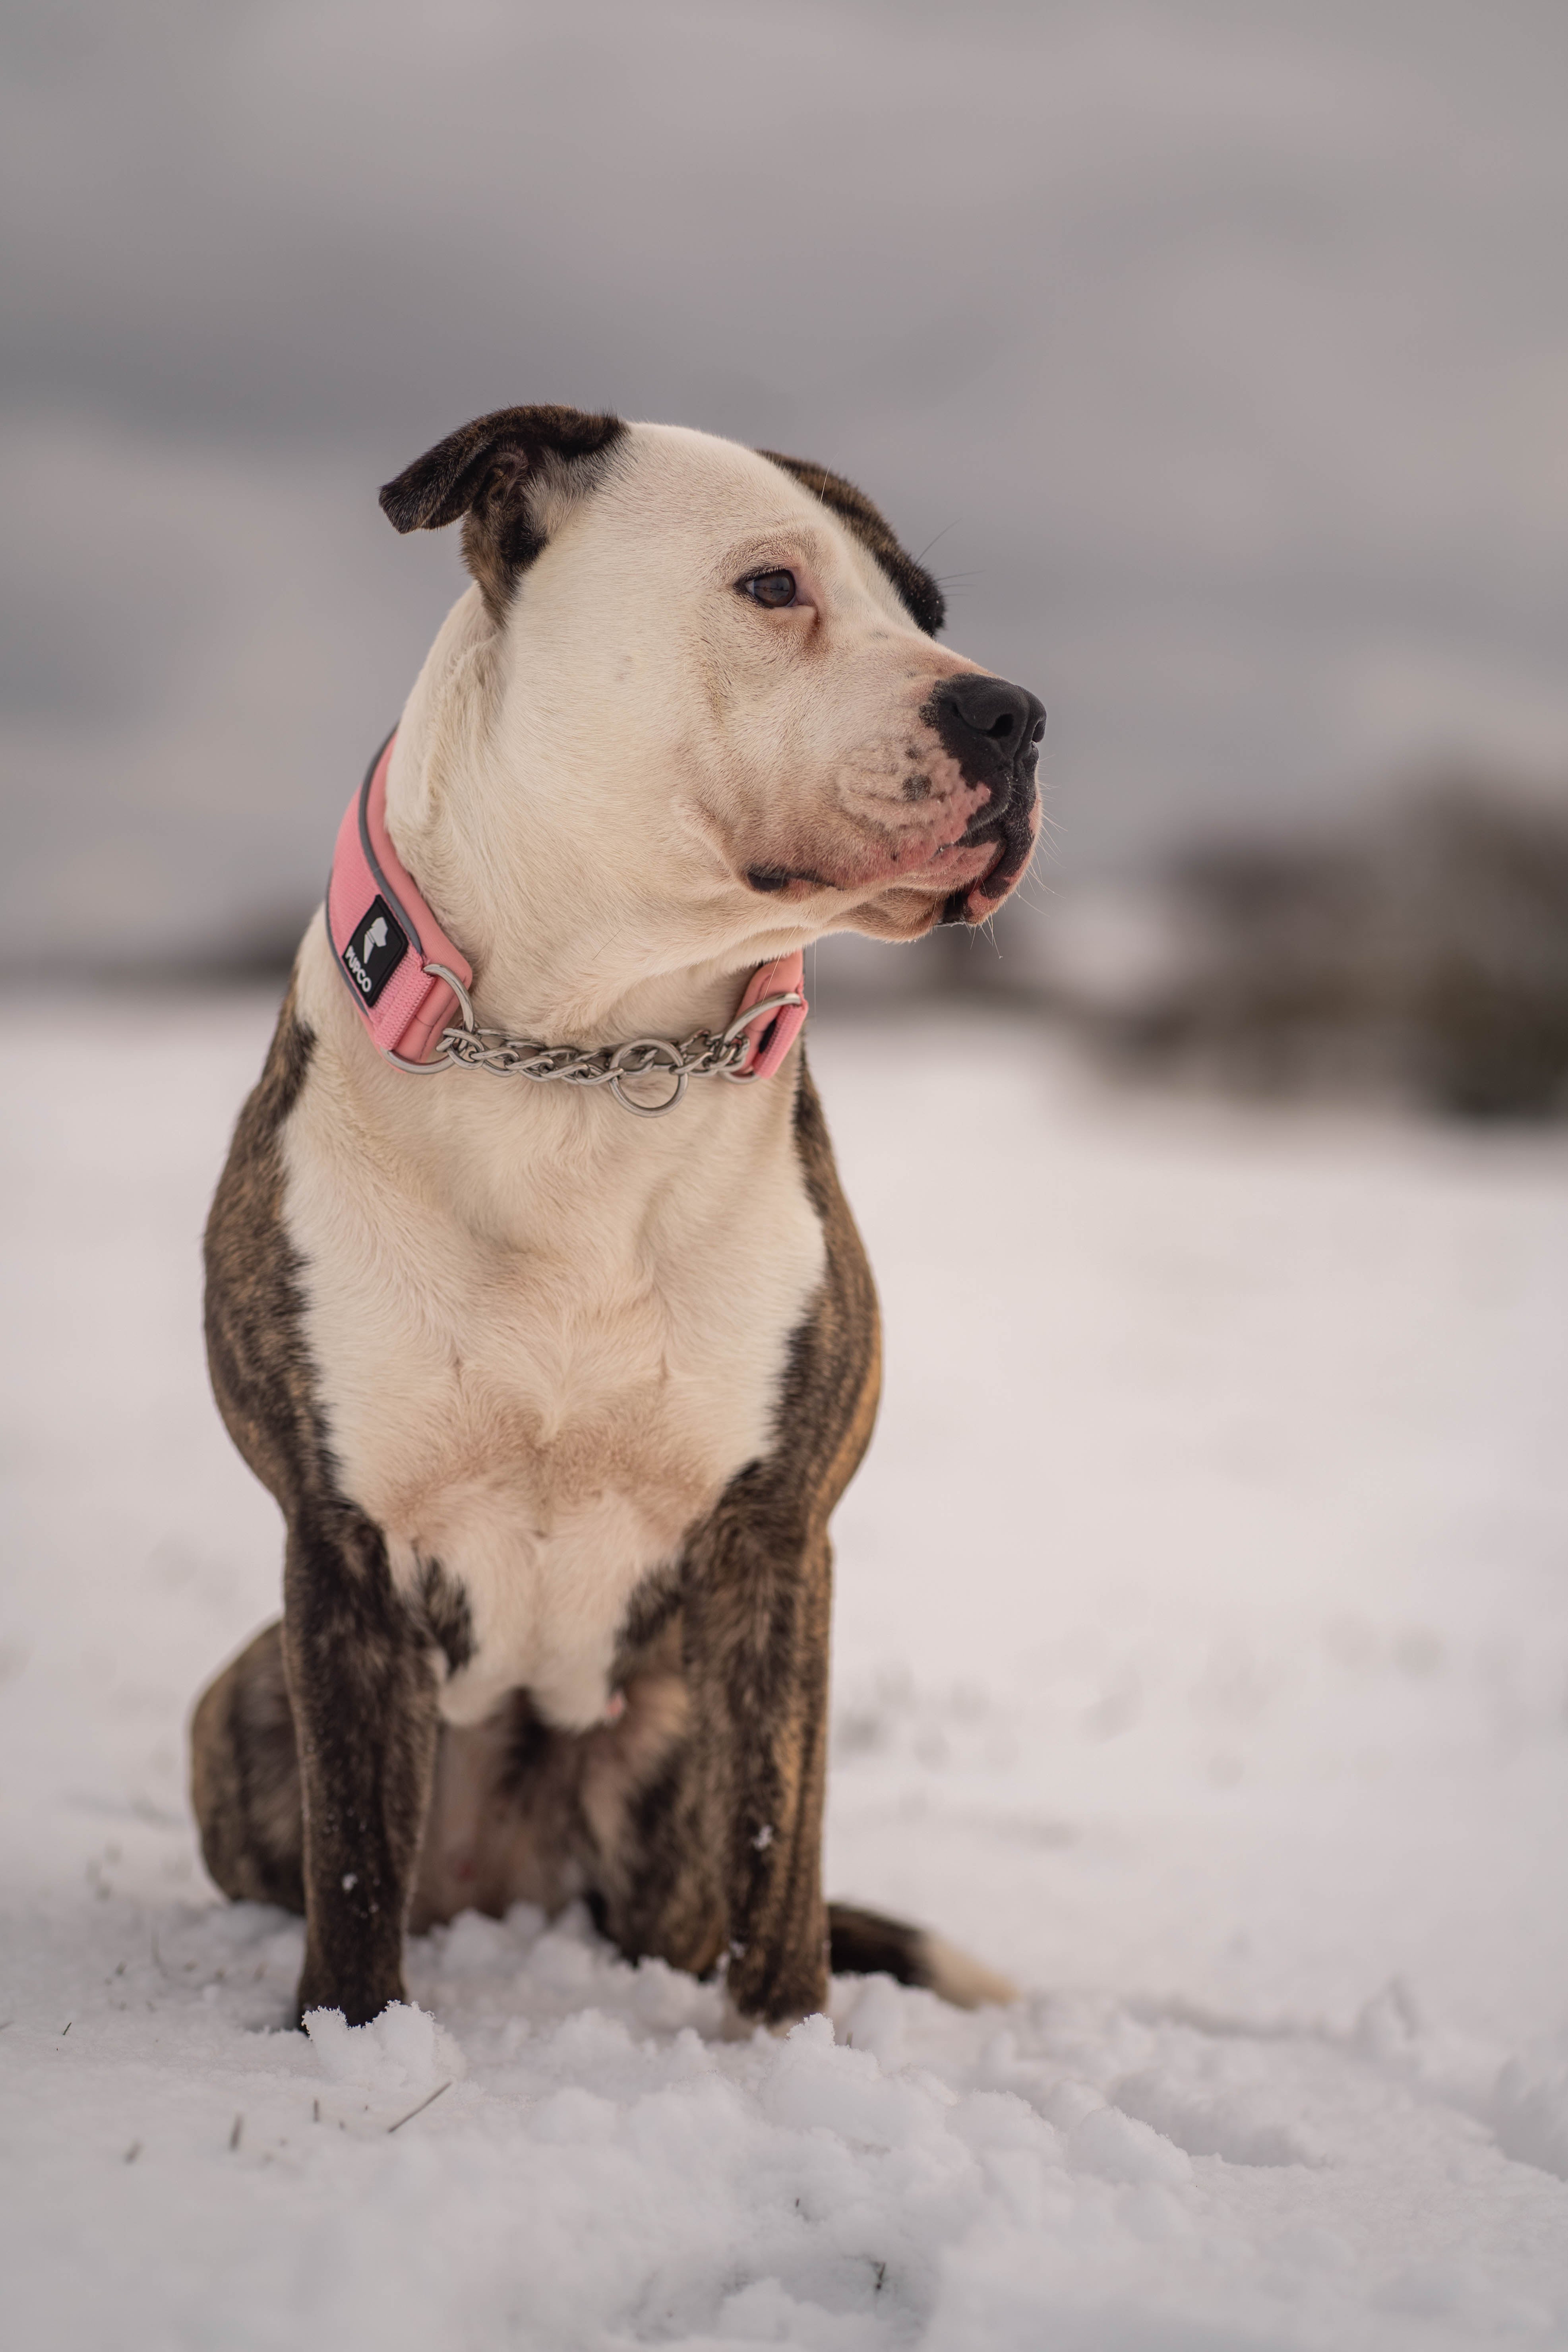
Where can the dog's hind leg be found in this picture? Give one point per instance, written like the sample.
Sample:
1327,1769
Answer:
245,1779
503,1823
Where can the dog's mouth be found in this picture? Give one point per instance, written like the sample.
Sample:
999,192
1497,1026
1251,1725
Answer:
1014,832
993,730
770,878
991,858
951,857
929,874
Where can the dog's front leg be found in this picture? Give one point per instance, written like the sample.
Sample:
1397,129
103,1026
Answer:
363,1696
758,1619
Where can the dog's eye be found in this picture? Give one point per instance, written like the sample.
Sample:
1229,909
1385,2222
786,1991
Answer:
773,589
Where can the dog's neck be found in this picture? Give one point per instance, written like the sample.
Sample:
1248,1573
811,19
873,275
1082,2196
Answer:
565,946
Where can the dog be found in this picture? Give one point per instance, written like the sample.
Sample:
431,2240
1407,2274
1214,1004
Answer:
556,1402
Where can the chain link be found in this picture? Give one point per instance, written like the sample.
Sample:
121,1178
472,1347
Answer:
703,1054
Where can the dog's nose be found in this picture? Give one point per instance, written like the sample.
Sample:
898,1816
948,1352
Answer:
1006,716
991,728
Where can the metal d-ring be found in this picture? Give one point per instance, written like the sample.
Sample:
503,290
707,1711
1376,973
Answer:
668,1060
768,1004
443,1061
755,1011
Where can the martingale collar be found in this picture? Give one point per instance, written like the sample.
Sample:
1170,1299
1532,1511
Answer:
411,983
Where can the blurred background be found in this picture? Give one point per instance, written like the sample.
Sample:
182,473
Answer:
1216,353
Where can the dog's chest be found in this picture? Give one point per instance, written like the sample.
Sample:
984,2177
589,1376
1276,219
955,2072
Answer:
535,1408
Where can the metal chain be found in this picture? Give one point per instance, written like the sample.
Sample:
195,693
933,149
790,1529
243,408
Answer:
703,1054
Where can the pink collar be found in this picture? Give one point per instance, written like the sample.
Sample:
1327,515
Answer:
411,983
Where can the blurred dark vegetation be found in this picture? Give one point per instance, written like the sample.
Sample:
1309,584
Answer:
1423,953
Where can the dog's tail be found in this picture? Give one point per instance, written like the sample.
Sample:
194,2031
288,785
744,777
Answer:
864,1944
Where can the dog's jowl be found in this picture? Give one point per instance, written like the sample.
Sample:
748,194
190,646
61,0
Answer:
556,1395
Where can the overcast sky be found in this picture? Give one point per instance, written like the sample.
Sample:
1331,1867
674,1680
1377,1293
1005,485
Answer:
1219,347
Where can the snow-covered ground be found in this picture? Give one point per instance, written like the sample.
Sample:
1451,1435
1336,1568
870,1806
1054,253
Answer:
1203,1660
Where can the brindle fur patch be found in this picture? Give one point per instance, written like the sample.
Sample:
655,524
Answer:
259,1366
918,592
245,1779
497,473
448,1616
869,1944
356,1665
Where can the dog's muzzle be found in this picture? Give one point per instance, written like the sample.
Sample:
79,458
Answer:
992,729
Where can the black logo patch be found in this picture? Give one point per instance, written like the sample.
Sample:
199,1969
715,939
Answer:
377,945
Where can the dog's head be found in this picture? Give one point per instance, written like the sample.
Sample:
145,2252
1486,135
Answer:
711,686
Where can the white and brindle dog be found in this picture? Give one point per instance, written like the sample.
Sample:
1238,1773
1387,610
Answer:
556,1402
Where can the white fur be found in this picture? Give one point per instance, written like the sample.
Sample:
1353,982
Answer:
967,1982
548,1334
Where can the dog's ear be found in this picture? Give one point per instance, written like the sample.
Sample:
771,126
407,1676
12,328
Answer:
918,592
499,472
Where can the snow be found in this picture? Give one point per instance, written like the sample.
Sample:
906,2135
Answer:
1202,1661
